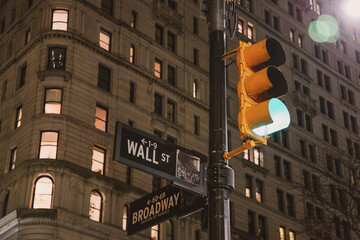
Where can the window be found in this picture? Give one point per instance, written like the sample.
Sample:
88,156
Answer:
280,200
351,97
309,210
248,187
124,219
240,26
327,83
282,233
292,35
2,26
196,57
107,6
347,72
276,23
101,118
171,111
159,34
308,123
171,75
298,13
343,47
18,117
306,179
169,230
248,5
132,54
322,105
158,68
354,126
251,223
287,170
158,104
267,16
290,205
5,205
315,184
262,227
21,81
56,58
325,57
337,227
171,41
155,233
333,137
195,89
98,160
317,51
48,145
27,36
172,4
13,15
197,235
60,20
295,60
105,39
312,153
278,171
132,92
13,153
259,191
339,66
195,25
303,66
196,125
250,31
325,130
133,23
299,115
357,56
290,9
53,101
43,193
338,169
96,205
303,152
3,91
104,78
300,41
292,235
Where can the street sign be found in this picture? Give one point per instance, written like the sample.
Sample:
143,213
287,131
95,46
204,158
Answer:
135,148
161,205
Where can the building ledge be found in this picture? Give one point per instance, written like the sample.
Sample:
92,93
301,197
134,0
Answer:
54,72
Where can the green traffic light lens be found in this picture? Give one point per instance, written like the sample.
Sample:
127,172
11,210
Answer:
280,118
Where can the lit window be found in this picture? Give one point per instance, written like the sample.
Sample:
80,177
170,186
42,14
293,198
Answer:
246,154
105,39
292,35
18,117
124,219
101,116
195,88
240,26
155,234
158,68
248,187
104,77
56,58
300,41
171,111
132,54
53,101
27,36
259,191
282,233
43,193
133,19
95,210
169,230
12,159
48,145
60,20
291,235
250,31
98,160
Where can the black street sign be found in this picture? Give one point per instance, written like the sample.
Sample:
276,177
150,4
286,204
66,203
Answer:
135,148
161,205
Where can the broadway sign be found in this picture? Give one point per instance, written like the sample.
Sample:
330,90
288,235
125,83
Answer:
148,153
161,205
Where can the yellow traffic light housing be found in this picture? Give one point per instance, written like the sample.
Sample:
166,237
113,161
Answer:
260,84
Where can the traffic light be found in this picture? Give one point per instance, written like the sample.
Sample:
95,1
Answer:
260,84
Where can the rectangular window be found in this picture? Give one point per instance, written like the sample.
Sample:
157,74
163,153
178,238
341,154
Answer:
251,223
107,6
276,23
315,184
27,36
101,118
2,26
282,233
325,57
132,54
172,5
171,75
298,14
132,92
250,31
3,91
300,41
22,76
60,20
287,170
240,26
98,160
48,145
303,66
339,66
322,105
195,25
171,111
56,58
285,138
308,123
292,35
312,153
295,59
133,22
196,57
290,9
259,191
290,205
248,187
317,51
329,163
343,94
337,227
347,72
309,210
302,148
325,130
104,76
319,78
12,159
159,34
258,160
53,101
327,83
354,126
158,104
280,200
171,41
351,97
262,227
18,117
306,179
278,171
333,137
299,115
158,68
357,56
105,39
338,169
346,120
248,5
196,125
267,16
330,109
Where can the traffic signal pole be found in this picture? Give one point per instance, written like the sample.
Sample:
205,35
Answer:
220,175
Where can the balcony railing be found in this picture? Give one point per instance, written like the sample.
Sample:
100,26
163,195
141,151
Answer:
169,15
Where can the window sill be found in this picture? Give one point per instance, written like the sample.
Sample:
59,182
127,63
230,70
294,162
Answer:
54,72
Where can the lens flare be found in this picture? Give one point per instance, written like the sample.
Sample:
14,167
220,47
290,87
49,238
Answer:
325,29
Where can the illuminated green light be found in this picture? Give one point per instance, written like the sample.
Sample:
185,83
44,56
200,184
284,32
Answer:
280,117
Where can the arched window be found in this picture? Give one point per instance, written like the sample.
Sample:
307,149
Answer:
169,230
155,233
195,89
125,210
132,54
5,204
43,192
96,205
197,235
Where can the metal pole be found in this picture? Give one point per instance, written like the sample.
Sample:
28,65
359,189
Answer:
220,175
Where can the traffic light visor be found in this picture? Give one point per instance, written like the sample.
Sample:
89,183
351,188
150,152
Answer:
279,115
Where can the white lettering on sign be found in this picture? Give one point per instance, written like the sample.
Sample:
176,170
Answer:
137,150
165,157
159,207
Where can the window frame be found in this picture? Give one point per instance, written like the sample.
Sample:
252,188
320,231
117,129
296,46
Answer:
106,46
12,160
18,117
102,151
104,121
40,143
50,63
47,102
101,206
34,191
104,82
52,19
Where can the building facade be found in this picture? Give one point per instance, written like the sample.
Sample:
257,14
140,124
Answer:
69,70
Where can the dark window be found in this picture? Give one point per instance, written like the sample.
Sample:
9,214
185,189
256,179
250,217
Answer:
172,4
285,138
171,41
262,227
171,111
159,34
330,110
280,200
325,133
337,227
287,170
349,146
343,92
2,26
319,213
133,23
346,120
329,163
22,76
27,36
295,59
327,83
196,57
3,91
317,51
195,25
340,66
157,133
347,72
338,170
354,126
357,56
322,105
290,205
107,6
308,123
290,9
57,58
276,23
333,136
171,75
309,210
306,91
298,14
315,184
312,153
158,104
299,115
267,16
13,15
196,125
351,97
278,171
132,92
325,57
306,176
13,153
303,66
171,139
104,76
5,205
169,230
303,148
251,223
